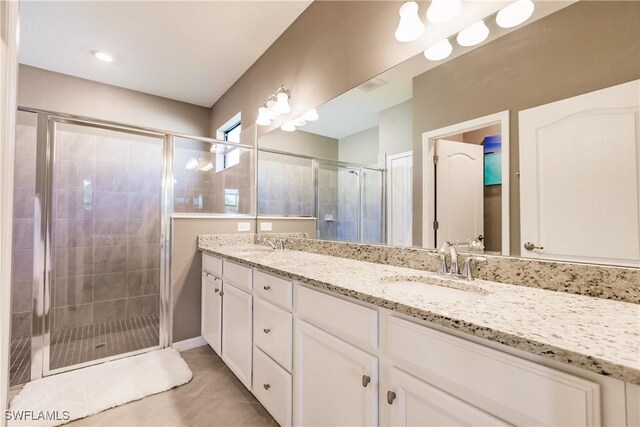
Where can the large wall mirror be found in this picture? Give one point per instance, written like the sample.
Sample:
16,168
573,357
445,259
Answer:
528,143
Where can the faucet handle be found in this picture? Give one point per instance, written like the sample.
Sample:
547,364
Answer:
445,247
467,273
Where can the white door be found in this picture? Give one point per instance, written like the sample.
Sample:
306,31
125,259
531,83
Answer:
408,401
211,323
579,173
399,199
459,191
237,332
335,383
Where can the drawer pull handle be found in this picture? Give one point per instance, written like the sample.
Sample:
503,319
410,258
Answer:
266,288
221,293
266,330
391,396
266,386
366,379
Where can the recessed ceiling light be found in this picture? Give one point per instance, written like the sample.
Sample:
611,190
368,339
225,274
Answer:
102,56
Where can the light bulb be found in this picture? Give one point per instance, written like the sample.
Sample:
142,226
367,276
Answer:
515,14
192,164
271,108
410,27
439,51
311,115
282,103
207,167
102,56
441,11
299,122
264,118
288,126
473,35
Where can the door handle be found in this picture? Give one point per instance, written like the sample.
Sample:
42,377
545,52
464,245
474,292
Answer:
266,288
216,290
391,396
266,331
366,379
266,386
530,246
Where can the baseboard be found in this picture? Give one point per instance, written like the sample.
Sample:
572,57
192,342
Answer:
189,344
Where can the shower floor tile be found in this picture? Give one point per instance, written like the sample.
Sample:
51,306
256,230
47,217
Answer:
86,343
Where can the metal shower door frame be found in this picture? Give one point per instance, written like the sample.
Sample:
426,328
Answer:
43,214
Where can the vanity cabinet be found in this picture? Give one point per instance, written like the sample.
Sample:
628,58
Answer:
407,401
312,358
212,311
335,383
237,324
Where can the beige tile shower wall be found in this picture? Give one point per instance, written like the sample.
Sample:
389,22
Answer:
48,90
24,194
587,46
106,228
186,268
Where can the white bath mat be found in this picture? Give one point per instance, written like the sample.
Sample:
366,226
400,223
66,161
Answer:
65,397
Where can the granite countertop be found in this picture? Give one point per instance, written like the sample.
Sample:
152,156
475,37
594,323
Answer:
599,335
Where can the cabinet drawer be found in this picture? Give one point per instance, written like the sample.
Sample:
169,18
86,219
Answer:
513,389
212,265
237,275
273,332
272,387
273,288
353,322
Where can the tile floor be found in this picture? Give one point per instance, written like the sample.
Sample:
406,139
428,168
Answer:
85,343
214,397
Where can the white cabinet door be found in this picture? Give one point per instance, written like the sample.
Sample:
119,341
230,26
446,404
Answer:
211,323
237,332
408,401
579,174
335,383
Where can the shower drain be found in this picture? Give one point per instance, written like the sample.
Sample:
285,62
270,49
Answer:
102,344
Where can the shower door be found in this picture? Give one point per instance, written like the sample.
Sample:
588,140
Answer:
103,228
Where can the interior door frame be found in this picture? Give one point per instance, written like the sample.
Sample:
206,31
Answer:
389,192
428,171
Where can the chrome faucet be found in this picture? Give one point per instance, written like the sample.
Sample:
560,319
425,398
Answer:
454,269
277,244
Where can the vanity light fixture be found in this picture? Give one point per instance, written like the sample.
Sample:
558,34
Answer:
442,11
439,51
277,103
311,115
473,35
299,122
264,117
515,14
288,126
102,56
410,26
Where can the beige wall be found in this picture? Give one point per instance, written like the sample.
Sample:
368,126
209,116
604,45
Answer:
585,47
396,128
47,90
300,142
186,269
361,148
332,47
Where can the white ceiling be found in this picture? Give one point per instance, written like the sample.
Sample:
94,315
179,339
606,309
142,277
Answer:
357,110
191,51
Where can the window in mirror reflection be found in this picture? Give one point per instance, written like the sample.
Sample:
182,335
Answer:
212,179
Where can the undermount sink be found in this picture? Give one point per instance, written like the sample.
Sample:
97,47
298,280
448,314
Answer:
439,287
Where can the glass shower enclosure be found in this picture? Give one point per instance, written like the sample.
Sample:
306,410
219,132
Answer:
350,203
89,248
